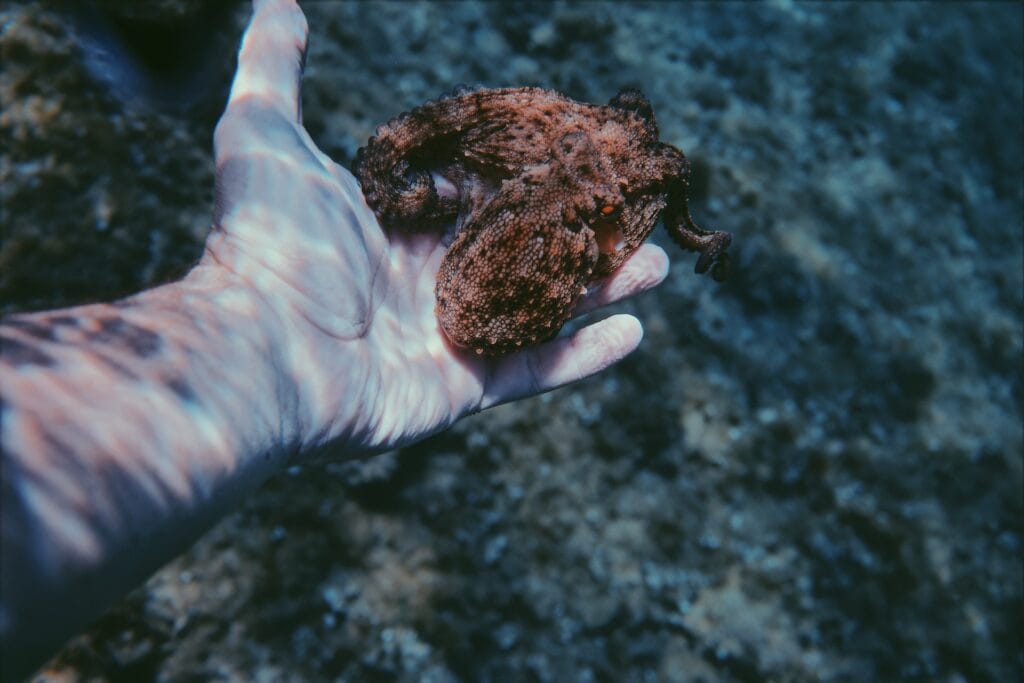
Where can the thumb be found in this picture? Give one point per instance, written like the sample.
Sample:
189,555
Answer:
272,56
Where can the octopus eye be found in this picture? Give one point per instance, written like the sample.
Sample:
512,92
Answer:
608,209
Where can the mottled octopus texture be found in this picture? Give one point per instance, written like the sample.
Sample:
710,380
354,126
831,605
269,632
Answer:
548,195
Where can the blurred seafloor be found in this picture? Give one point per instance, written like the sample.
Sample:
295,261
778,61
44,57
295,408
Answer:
812,472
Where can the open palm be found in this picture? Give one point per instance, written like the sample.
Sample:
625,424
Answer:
356,330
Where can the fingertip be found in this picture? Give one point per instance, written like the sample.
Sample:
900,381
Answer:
271,57
286,15
659,262
651,263
588,351
564,360
645,269
621,333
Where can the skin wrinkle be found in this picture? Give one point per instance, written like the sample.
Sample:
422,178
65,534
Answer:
315,314
278,426
288,437
377,282
366,426
287,393
373,265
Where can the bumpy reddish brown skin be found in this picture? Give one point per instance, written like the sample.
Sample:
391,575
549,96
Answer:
548,195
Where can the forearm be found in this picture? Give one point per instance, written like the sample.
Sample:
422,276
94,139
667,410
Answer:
127,429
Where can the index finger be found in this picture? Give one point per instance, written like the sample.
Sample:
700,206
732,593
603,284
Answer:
272,56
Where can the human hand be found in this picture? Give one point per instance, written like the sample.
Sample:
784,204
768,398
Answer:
352,317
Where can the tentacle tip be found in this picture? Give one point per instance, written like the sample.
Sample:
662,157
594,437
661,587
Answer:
704,262
721,270
717,263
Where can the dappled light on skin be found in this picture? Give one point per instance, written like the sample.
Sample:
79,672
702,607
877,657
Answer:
79,507
63,525
129,428
645,269
54,494
321,248
332,273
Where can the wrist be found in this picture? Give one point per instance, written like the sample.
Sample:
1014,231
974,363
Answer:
250,332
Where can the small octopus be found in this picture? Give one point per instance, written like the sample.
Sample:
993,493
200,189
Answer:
547,195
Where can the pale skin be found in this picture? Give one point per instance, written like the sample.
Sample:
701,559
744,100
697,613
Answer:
304,332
